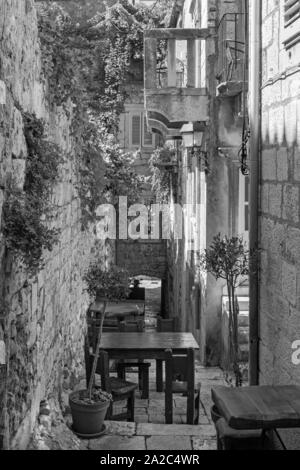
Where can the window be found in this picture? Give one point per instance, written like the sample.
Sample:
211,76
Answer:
139,134
291,12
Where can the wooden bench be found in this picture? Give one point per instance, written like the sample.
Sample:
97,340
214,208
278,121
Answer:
257,408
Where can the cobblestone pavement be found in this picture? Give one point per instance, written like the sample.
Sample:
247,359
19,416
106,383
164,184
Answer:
148,432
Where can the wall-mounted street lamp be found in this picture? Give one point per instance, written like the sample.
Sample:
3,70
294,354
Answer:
193,140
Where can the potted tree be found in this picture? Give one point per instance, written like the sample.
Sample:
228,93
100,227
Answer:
228,259
89,407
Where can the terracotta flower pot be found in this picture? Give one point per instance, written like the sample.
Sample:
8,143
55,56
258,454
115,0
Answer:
88,418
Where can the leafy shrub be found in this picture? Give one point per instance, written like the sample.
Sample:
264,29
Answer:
162,166
110,284
25,228
25,233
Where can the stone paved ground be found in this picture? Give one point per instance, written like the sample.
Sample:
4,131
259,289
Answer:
149,431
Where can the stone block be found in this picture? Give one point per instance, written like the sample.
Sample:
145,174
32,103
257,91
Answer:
156,418
290,209
143,418
2,353
120,428
275,200
118,443
199,444
289,282
297,164
265,198
292,244
2,93
174,430
169,443
282,165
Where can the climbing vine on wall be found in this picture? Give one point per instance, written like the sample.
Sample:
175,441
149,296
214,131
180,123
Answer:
26,211
87,61
163,166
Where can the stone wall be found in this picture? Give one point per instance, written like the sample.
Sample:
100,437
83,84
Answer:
142,257
279,219
42,317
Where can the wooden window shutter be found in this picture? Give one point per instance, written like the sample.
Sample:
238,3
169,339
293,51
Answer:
136,130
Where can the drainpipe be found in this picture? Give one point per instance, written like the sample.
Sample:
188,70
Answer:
254,147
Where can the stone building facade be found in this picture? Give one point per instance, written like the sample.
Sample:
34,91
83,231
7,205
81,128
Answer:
42,317
279,203
207,112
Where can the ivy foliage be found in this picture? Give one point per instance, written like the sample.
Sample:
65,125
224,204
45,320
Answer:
163,166
89,50
25,211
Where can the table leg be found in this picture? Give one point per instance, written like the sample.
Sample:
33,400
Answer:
190,386
168,389
159,375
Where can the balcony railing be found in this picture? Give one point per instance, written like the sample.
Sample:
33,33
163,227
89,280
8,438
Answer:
171,95
232,48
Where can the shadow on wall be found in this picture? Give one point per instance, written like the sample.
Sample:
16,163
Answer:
281,124
229,133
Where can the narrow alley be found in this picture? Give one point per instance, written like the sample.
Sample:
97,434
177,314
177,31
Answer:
149,226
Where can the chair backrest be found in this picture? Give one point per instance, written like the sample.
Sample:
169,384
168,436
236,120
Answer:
181,367
103,370
167,324
137,326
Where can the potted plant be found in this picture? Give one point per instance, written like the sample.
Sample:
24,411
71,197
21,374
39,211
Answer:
89,407
228,259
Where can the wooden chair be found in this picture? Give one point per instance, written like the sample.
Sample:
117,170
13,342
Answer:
164,325
167,324
120,389
182,376
141,366
184,380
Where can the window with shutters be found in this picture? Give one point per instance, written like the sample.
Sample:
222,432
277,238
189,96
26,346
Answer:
136,130
291,12
139,134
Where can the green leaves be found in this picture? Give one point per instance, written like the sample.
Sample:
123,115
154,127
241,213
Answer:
25,234
162,164
25,231
226,258
111,284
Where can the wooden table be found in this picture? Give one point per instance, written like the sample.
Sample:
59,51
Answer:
154,345
119,310
261,407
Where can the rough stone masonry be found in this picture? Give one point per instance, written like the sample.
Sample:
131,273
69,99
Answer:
280,201
41,317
